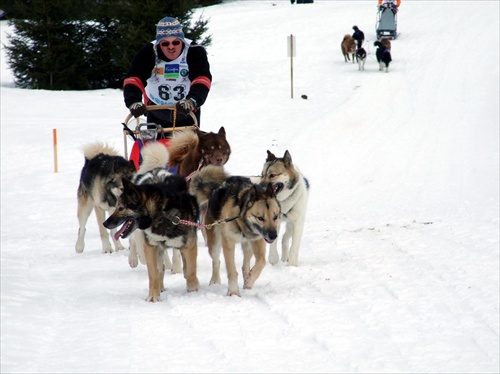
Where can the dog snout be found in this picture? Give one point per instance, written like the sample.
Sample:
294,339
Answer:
109,223
270,236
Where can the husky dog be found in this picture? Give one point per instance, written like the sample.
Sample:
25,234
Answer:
348,47
361,58
383,56
240,212
155,211
292,191
190,150
99,188
152,170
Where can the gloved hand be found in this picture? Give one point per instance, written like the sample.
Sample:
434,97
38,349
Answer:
185,106
138,109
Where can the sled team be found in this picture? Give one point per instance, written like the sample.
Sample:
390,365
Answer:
181,186
352,45
157,210
159,201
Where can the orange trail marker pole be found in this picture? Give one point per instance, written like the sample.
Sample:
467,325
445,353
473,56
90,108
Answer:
54,137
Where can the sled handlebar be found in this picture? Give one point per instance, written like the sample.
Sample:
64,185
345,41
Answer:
135,132
160,107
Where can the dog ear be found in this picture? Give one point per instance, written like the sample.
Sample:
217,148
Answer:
287,158
131,165
270,190
128,185
270,156
253,192
222,131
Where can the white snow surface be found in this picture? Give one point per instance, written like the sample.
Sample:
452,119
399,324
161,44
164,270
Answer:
399,263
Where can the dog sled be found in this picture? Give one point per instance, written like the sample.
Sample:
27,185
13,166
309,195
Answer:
144,132
387,21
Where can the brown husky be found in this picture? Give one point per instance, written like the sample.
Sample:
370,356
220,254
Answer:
348,47
240,212
190,150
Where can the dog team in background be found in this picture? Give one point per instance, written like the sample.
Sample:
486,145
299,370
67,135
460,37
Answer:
353,50
160,211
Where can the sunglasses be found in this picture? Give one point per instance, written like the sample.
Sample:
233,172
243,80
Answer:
166,44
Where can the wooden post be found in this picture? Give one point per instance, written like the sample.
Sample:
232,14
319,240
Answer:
291,63
54,141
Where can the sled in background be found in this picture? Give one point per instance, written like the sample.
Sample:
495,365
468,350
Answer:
146,132
387,21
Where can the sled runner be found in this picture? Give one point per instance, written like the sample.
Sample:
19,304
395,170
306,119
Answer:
146,132
386,23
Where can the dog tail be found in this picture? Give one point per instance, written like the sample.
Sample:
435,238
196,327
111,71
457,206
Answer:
205,181
93,149
154,155
181,144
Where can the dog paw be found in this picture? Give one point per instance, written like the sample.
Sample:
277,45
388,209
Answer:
153,298
273,258
133,262
248,285
214,280
193,286
176,269
79,247
107,249
293,262
233,293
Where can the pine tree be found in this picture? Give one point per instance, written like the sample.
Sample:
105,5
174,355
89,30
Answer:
46,49
88,44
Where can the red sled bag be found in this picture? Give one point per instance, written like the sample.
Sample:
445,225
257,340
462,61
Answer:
136,152
145,133
148,132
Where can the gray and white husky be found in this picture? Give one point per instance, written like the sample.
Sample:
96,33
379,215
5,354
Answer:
292,192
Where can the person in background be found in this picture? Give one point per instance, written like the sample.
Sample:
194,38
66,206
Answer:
168,71
389,4
359,36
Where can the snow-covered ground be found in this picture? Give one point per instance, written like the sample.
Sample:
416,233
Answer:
399,264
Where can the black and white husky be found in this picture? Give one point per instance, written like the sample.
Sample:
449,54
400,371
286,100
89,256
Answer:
384,57
361,58
153,170
150,212
99,189
292,192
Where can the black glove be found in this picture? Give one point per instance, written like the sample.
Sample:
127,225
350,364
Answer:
138,109
185,106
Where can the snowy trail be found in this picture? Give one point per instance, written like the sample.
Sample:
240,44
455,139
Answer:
399,264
